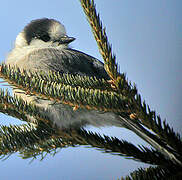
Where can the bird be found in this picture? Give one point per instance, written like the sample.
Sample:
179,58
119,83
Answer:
43,45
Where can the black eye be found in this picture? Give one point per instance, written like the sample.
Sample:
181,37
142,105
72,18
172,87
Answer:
45,37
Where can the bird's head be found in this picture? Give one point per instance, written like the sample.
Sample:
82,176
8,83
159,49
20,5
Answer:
43,32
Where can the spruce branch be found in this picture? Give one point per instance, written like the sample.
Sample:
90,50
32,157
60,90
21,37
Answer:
38,85
14,138
153,122
111,67
48,147
156,173
101,38
69,95
88,98
121,147
118,96
33,141
107,144
18,108
137,108
74,80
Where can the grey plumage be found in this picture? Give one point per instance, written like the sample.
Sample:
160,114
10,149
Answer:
64,61
33,53
40,47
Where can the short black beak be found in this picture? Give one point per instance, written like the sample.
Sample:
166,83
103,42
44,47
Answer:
66,40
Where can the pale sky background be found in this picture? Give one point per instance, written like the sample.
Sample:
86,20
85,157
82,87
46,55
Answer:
146,37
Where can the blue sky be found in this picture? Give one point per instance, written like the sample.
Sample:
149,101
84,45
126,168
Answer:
146,37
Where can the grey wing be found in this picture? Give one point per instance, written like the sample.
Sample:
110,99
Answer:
63,61
83,64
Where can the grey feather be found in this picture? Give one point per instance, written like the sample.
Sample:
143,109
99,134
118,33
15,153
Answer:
63,61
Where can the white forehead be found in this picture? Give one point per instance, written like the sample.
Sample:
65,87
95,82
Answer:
57,30
20,40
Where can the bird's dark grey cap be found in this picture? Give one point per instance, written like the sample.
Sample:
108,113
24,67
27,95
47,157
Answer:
38,28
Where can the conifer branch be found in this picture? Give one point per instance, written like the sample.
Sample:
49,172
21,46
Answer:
34,141
118,96
153,122
14,138
121,147
88,98
152,173
52,91
138,109
101,38
18,108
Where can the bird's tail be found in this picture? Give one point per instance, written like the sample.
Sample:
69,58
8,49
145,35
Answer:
152,139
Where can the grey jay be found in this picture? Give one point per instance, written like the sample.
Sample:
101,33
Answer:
43,46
